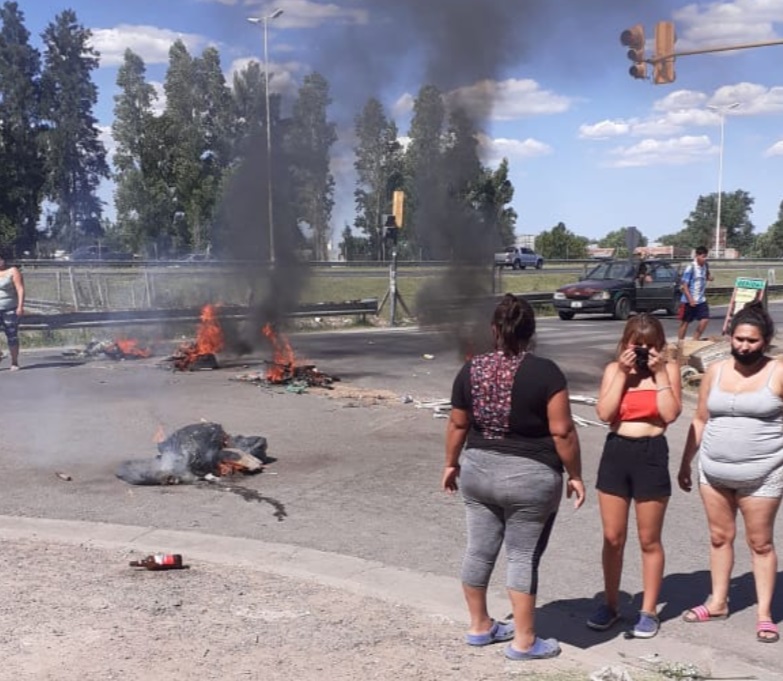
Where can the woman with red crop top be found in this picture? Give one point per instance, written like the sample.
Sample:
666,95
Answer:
640,395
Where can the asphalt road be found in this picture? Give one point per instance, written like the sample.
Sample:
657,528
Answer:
356,475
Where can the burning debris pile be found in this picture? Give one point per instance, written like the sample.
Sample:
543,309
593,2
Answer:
201,353
284,369
195,452
126,348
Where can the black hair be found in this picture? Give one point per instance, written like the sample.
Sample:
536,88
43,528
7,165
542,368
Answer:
515,323
702,250
754,314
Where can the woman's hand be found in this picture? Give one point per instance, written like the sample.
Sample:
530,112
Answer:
684,478
656,361
449,480
576,486
627,360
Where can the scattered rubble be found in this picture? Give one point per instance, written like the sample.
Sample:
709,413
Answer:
111,349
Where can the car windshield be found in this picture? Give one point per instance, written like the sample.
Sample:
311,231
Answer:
611,270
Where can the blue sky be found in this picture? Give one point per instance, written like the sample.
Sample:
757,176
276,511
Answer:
588,145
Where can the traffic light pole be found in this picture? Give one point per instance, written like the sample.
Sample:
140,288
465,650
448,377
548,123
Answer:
392,294
708,50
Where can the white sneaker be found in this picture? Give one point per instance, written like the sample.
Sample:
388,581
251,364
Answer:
14,367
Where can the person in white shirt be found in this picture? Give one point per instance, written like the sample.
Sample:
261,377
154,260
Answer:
693,303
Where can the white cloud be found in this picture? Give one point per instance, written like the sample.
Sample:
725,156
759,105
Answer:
151,43
676,151
775,150
604,129
727,23
304,13
509,99
282,78
754,99
403,106
493,150
680,99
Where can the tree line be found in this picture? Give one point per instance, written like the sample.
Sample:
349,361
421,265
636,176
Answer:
189,174
737,231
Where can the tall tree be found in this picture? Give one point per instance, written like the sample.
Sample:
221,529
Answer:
423,169
378,158
310,139
138,211
560,244
770,244
199,119
616,239
244,208
22,170
491,195
736,227
75,154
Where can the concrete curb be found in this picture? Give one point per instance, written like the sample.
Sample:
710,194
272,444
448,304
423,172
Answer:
433,595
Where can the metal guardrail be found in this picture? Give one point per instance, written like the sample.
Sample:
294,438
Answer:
368,306
73,320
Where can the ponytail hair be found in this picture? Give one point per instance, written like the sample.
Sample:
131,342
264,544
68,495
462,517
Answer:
514,323
754,314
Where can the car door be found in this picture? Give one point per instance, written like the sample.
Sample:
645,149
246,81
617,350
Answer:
657,290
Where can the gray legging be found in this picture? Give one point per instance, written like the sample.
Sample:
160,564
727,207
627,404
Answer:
512,499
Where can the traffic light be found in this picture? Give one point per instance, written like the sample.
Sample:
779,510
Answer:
633,39
391,229
665,37
397,206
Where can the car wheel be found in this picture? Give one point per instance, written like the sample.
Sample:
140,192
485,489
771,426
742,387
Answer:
517,265
539,264
622,308
565,315
674,306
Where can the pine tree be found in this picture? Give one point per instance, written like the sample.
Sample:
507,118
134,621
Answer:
22,170
310,138
378,170
138,214
76,156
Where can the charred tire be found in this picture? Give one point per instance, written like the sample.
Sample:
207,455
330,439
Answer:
622,308
565,315
539,264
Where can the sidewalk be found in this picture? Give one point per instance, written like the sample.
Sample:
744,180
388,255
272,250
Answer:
248,609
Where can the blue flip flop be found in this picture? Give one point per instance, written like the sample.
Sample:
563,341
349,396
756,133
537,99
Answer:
541,649
500,631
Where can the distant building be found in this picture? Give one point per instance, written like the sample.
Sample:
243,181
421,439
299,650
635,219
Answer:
594,251
657,251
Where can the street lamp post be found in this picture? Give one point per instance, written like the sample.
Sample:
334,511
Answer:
270,205
721,110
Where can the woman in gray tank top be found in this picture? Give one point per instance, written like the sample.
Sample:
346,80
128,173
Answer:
737,435
11,306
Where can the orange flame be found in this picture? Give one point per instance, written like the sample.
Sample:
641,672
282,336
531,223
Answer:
129,347
284,358
209,338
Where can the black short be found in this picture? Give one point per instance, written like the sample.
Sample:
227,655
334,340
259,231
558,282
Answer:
635,468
